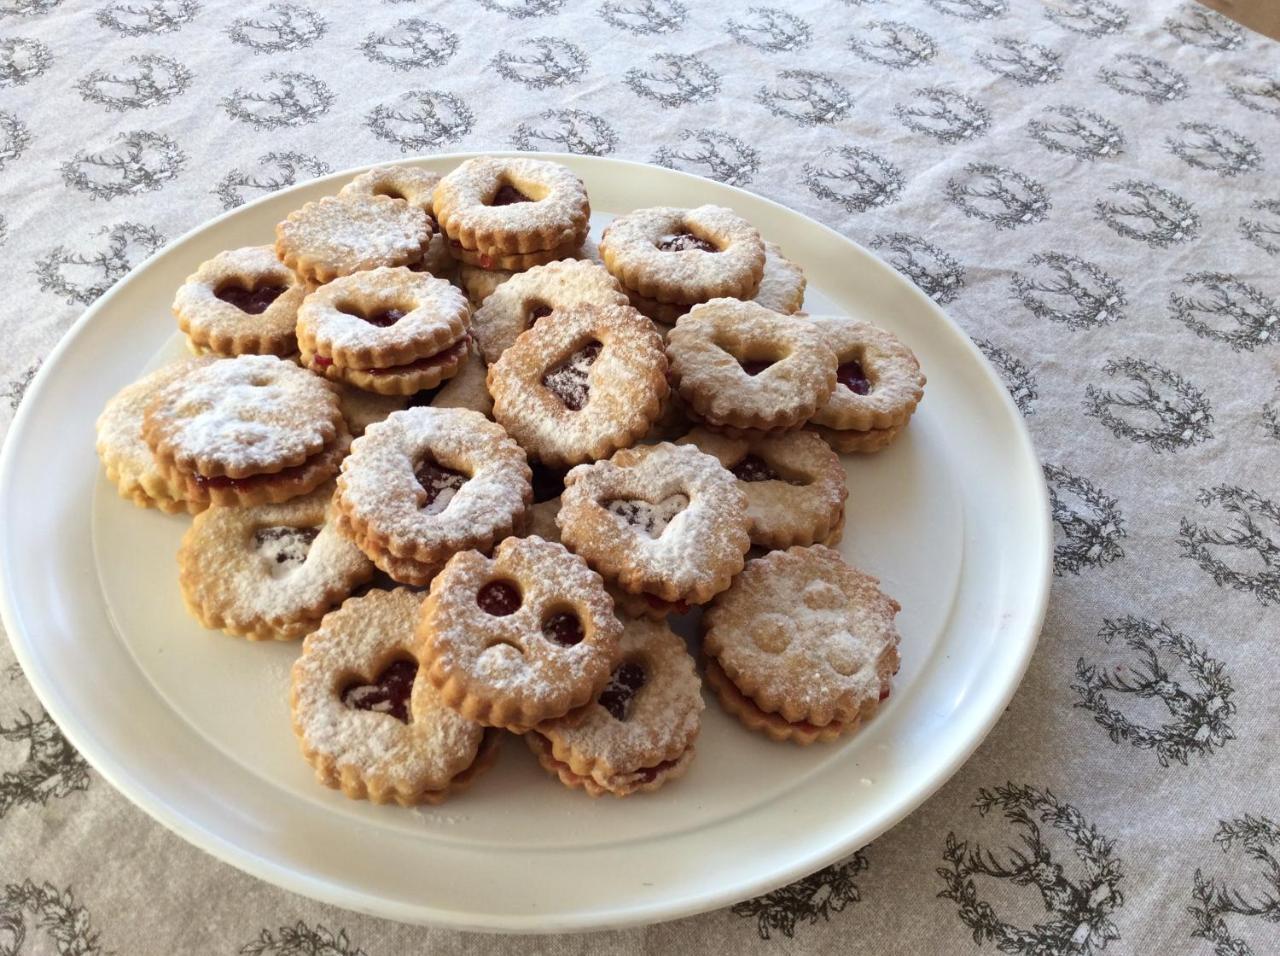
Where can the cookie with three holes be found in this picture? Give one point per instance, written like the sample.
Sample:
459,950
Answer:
523,637
366,717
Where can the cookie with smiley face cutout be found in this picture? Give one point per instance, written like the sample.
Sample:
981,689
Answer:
639,733
269,572
525,636
367,719
803,647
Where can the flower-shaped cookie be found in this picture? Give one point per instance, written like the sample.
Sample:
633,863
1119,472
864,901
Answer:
427,482
525,636
269,572
367,719
584,381
249,430
529,296
639,733
391,331
794,483
803,646
242,301
666,522
684,255
512,212
740,365
339,236
416,187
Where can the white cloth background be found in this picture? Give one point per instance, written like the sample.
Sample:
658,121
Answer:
1088,186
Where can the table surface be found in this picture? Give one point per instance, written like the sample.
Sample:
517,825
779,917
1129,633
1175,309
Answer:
1087,186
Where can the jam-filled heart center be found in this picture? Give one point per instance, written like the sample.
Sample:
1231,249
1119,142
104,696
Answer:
508,195
754,367
563,628
388,694
499,598
650,517
684,241
284,548
755,468
617,696
439,483
382,318
852,376
254,301
568,380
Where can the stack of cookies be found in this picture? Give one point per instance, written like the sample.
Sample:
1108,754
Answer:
498,549
669,260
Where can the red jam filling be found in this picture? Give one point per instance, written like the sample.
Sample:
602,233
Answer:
754,468
622,687
568,381
389,694
755,366
508,195
282,545
437,479
564,629
650,774
684,241
884,692
382,319
222,481
852,377
254,301
499,598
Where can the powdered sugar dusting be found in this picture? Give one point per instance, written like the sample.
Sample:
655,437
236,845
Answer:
650,517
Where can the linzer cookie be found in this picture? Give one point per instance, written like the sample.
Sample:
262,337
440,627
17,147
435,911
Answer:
390,331
525,636
243,301
665,522
246,431
584,381
529,296
684,255
794,483
480,283
879,385
428,482
339,236
416,187
639,732
803,646
128,460
740,365
512,213
469,388
269,572
368,721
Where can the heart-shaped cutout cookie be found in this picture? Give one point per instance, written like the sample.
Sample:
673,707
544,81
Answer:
649,517
388,694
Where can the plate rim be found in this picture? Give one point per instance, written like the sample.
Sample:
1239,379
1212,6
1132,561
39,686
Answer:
135,788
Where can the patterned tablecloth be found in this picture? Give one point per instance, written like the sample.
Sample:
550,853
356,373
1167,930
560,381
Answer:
1088,186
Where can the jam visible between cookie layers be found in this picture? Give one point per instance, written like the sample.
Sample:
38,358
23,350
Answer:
618,693
508,195
382,319
568,381
389,694
684,241
564,629
284,545
851,375
439,358
252,481
440,484
499,598
254,301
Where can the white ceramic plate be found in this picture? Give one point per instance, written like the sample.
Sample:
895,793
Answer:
193,725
